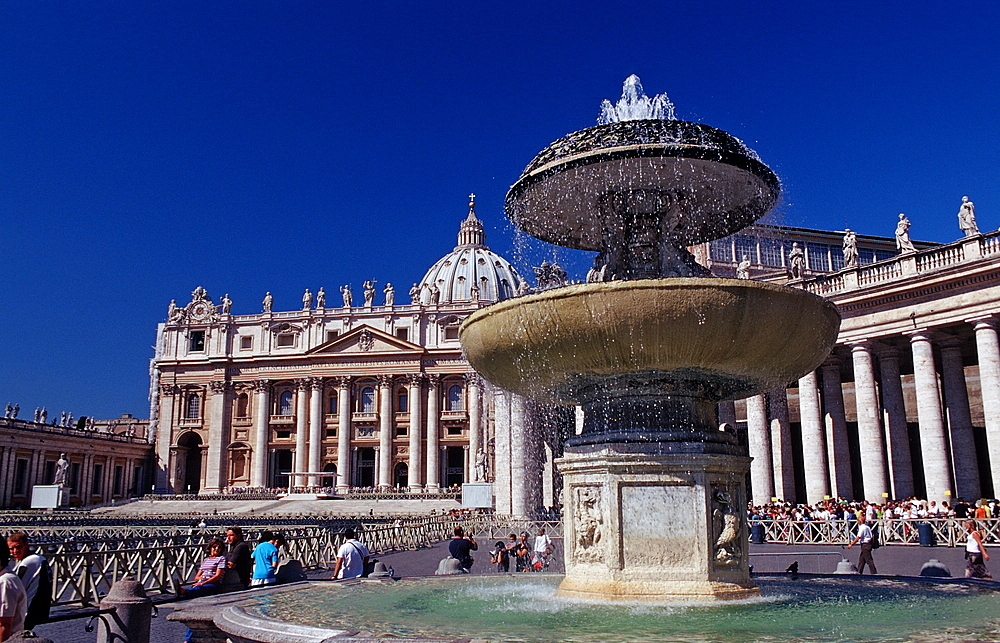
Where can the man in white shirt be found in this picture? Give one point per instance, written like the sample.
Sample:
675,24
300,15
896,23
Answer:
35,573
865,536
13,598
351,558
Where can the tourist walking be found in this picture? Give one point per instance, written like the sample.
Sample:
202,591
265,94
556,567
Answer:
239,557
460,548
13,598
352,557
265,560
866,538
975,553
35,573
208,580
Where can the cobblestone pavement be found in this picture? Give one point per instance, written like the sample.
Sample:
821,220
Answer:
895,560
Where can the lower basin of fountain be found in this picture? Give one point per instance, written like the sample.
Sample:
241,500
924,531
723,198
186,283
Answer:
525,607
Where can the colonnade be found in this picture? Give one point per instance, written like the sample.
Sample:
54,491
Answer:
939,403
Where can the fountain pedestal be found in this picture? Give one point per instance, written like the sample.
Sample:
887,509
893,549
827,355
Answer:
645,525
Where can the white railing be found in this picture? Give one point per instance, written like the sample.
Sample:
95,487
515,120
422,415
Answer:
947,256
879,272
948,532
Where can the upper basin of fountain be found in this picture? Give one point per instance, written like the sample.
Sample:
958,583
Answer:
704,182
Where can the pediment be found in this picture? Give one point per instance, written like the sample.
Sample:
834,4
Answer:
365,339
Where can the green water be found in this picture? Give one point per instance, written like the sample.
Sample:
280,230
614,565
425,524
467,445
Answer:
516,609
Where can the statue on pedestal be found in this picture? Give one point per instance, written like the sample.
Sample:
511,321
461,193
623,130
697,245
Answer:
38,413
743,268
850,249
390,294
268,302
345,292
797,261
482,466
967,217
435,294
369,287
321,298
415,295
172,310
474,292
227,304
307,300
44,416
62,466
903,243
8,410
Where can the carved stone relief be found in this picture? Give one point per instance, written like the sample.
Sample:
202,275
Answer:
589,519
727,526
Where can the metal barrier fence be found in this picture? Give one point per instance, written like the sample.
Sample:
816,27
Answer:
947,532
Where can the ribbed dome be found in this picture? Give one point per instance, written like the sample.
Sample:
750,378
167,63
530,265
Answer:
470,263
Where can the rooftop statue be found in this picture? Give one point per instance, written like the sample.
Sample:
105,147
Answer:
850,249
321,298
390,294
227,304
369,287
797,261
345,292
307,300
743,268
415,295
903,243
268,302
967,217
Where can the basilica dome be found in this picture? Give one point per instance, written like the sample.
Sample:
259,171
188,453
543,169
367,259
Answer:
471,271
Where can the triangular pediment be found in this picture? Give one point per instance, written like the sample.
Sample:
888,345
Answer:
365,339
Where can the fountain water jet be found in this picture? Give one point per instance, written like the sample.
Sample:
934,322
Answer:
654,490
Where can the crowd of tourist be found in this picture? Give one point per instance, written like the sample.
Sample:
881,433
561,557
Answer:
845,510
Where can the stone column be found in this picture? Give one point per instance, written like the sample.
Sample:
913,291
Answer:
475,425
781,445
894,417
317,430
164,435
502,445
343,434
956,399
988,349
385,431
761,467
817,469
218,432
415,382
301,459
874,469
433,433
933,442
835,419
518,457
262,418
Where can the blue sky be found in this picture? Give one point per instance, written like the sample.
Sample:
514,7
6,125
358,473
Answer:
151,147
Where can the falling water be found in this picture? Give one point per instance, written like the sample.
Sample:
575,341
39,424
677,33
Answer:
634,105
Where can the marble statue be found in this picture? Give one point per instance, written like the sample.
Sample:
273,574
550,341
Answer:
38,413
850,249
43,416
435,294
967,217
550,275
523,288
474,292
369,288
482,466
62,466
903,243
90,424
17,409
797,261
415,295
172,310
743,268
62,418
8,410
345,292
227,304
321,298
307,300
268,302
390,294
69,420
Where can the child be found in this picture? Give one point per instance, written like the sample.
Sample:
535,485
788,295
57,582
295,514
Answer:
500,557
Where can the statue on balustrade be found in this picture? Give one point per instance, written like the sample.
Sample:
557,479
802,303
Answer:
307,300
850,249
967,217
227,304
8,410
797,261
390,294
415,295
903,243
345,292
321,298
268,302
44,416
369,287
743,268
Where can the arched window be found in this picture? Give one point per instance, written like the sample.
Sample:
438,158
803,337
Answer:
331,404
368,400
455,398
402,401
242,405
285,403
193,409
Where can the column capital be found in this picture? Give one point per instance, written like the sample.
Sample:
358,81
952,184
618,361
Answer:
384,381
169,390
343,382
415,379
261,386
220,387
921,335
316,383
866,345
433,379
472,378
984,321
301,384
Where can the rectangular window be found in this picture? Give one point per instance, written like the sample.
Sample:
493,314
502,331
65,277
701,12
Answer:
74,477
119,479
196,340
721,249
283,435
21,477
246,343
451,332
882,255
454,430
818,256
50,471
403,334
770,252
400,431
746,246
331,432
97,485
136,481
332,335
837,257
286,339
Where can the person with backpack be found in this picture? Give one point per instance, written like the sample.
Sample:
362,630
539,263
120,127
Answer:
352,557
36,575
867,540
13,598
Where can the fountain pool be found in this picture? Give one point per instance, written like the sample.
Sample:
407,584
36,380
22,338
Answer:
525,608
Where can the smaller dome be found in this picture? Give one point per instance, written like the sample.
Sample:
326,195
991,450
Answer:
470,265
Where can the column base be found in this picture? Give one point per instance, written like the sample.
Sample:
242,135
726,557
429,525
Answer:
432,488
415,488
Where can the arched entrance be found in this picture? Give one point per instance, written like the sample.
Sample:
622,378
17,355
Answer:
400,476
329,478
366,467
454,473
189,463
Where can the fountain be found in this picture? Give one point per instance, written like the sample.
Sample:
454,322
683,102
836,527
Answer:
654,490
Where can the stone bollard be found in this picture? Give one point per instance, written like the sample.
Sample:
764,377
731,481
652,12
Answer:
846,567
935,569
132,617
449,567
